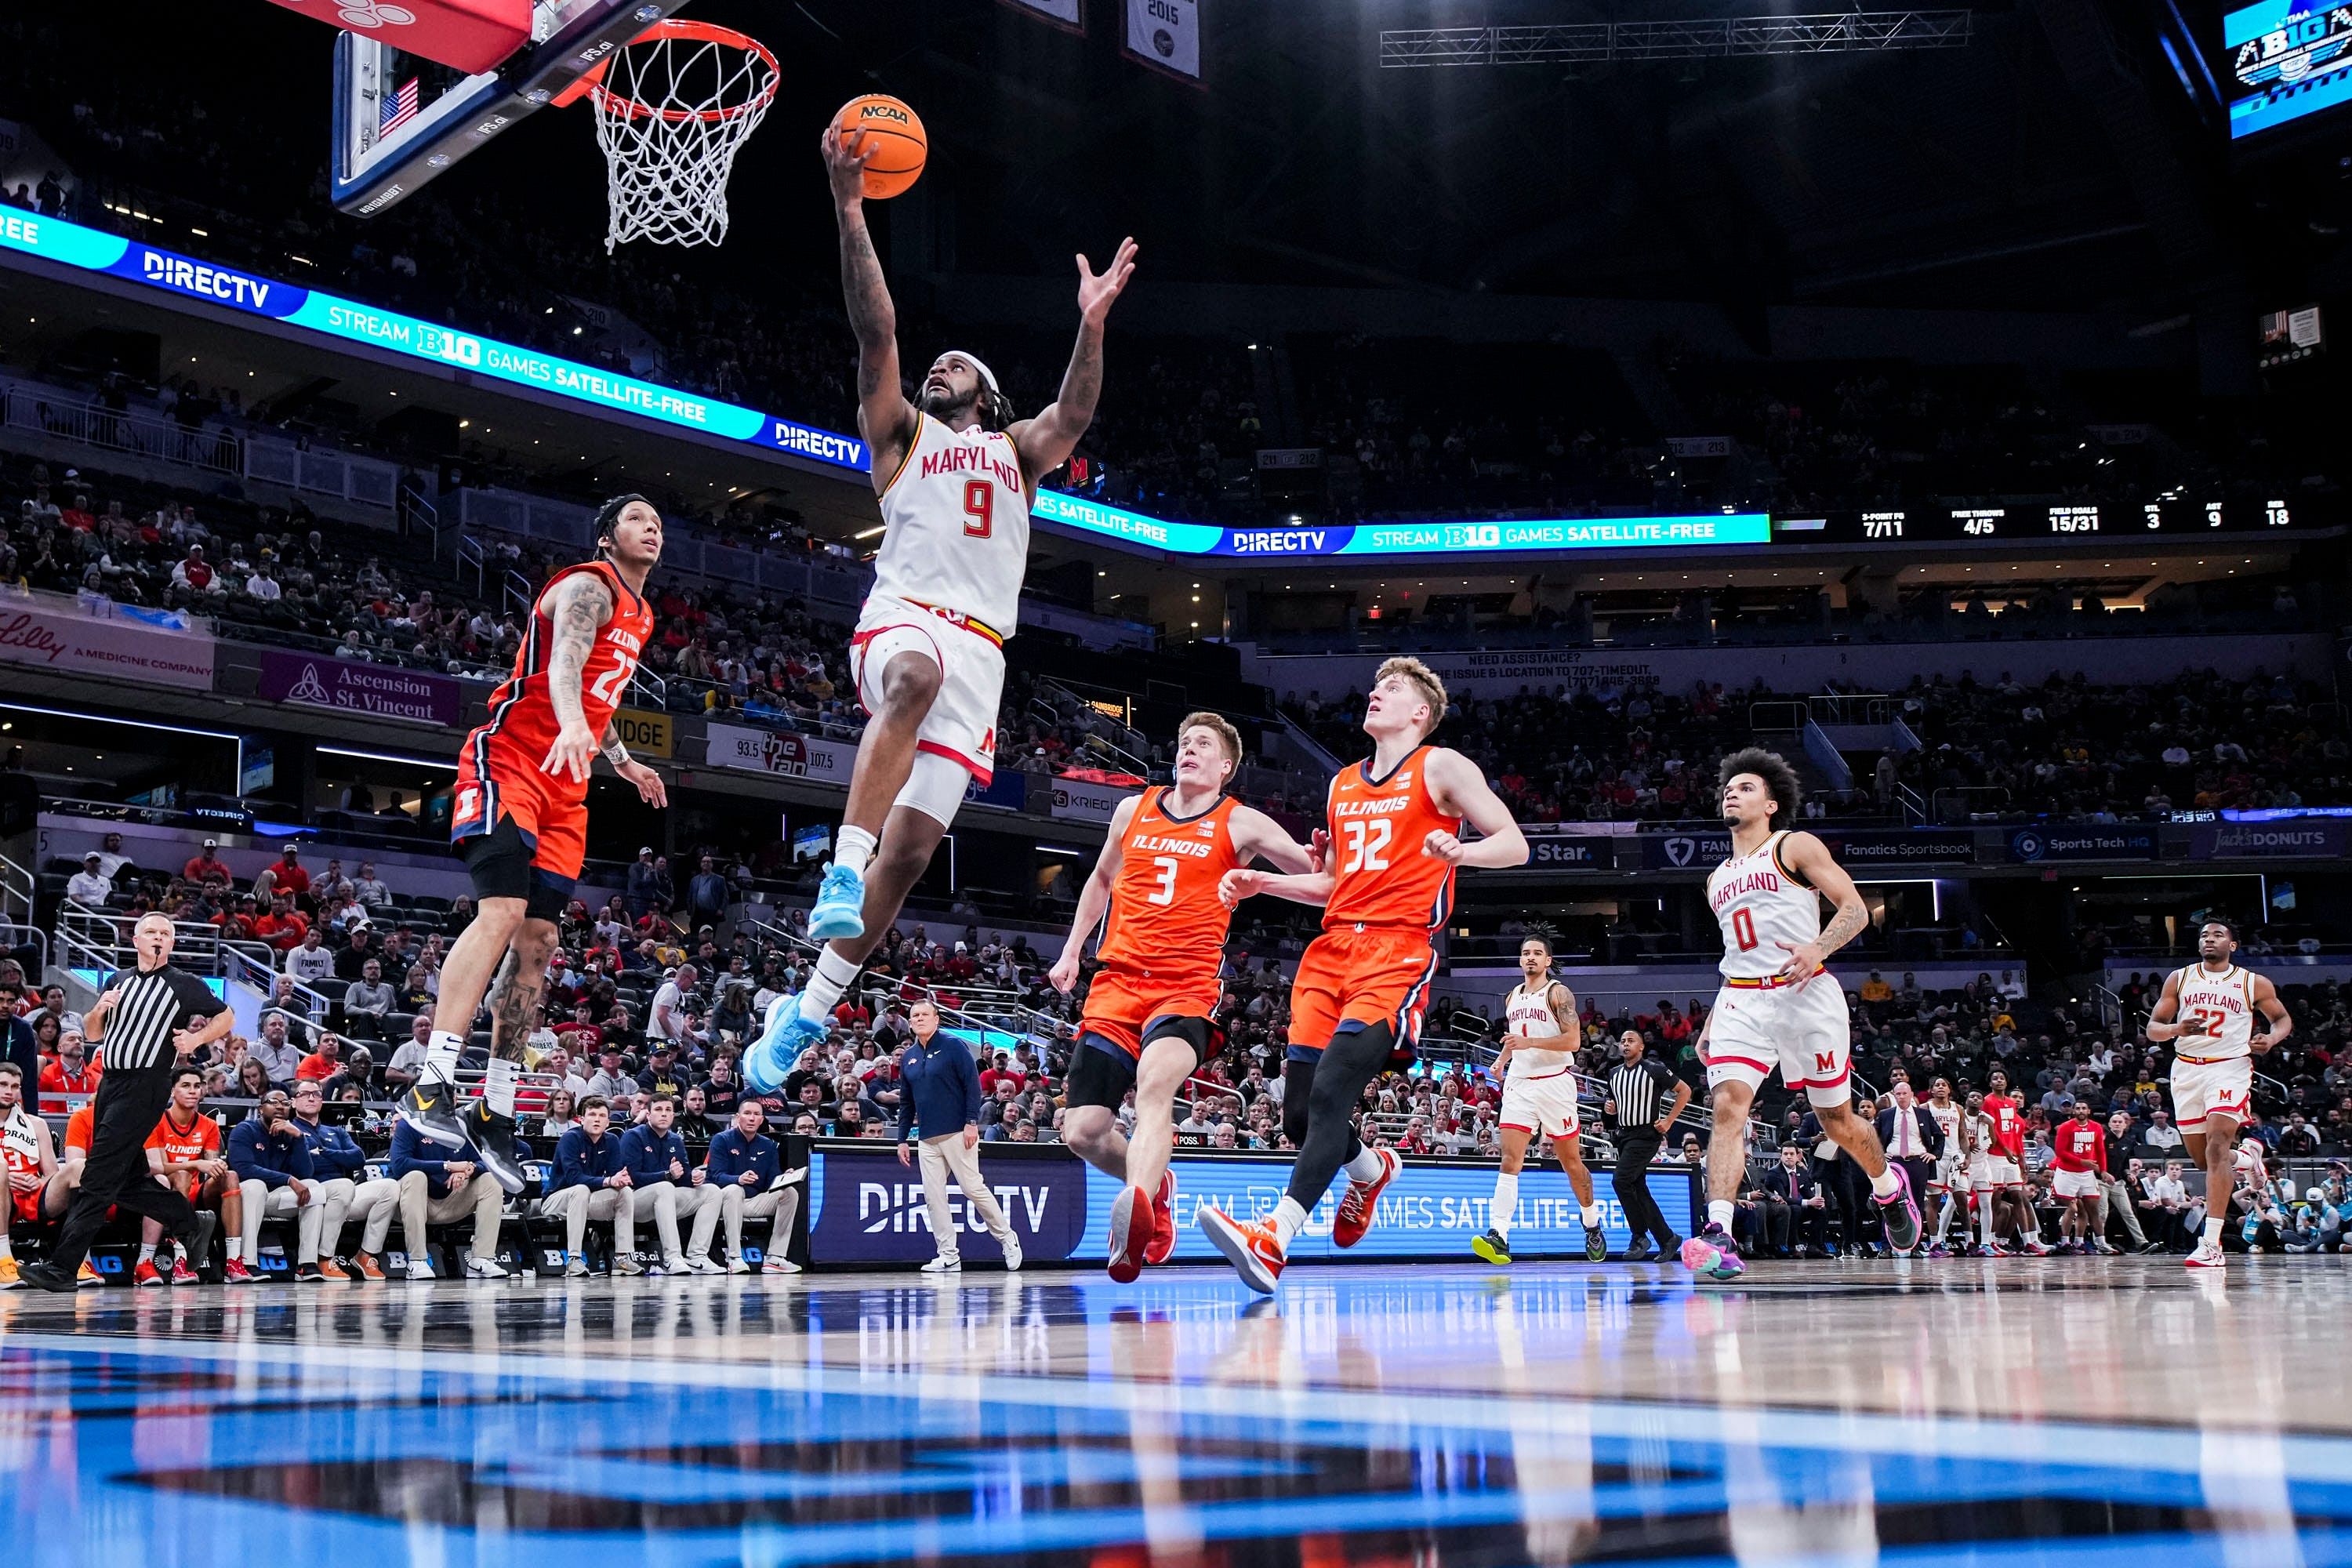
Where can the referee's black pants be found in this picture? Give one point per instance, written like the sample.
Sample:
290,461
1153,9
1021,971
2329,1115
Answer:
1636,1147
130,1103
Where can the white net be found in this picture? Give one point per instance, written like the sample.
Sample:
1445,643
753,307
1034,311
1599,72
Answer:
672,109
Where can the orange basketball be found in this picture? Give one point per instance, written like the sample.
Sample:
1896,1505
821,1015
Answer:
895,132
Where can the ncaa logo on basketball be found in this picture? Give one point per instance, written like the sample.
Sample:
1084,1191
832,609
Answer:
891,112
374,13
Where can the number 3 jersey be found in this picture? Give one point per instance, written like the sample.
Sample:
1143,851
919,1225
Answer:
1761,905
1165,920
1381,878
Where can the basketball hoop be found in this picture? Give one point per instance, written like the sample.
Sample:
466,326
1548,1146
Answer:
673,107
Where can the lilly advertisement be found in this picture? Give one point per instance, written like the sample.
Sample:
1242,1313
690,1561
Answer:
866,1208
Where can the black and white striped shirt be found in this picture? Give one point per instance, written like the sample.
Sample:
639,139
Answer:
1637,1087
150,1007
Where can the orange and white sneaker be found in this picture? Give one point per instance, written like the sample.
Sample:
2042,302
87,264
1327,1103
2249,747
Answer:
1133,1227
1357,1209
1162,1245
1254,1249
90,1278
8,1279
2207,1255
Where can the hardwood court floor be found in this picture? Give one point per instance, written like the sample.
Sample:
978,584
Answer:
1946,1413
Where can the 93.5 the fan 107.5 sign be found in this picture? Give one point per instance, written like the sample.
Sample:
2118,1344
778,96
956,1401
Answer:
2167,516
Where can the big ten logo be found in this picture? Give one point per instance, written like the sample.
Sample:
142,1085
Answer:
450,348
889,111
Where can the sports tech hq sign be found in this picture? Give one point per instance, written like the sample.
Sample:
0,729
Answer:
411,337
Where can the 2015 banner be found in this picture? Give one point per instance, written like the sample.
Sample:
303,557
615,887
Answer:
1166,35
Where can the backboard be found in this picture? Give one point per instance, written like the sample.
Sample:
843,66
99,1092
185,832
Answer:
400,118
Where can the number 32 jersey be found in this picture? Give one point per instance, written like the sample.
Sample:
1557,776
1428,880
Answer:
1761,905
1380,879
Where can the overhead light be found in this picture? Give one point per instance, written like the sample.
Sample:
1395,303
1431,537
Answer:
872,531
463,424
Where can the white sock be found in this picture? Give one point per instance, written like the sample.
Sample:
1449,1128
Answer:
2212,1232
1944,1220
834,974
146,1252
1289,1220
1722,1212
235,1245
441,1053
6,1250
852,848
1590,1213
1506,1204
499,1086
1366,1166
1984,1221
1886,1182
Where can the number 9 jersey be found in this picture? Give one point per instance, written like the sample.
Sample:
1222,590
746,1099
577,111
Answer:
499,776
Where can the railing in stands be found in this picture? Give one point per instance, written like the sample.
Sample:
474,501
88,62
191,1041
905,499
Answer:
1914,809
469,556
88,424
16,889
239,966
1000,1012
516,593
103,938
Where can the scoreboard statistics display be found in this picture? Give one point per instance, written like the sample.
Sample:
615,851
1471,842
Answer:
2165,518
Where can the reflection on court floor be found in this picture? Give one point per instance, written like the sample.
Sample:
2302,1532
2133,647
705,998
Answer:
1429,1416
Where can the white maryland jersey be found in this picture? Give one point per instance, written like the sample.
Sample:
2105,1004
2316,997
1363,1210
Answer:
1761,904
956,525
1948,1118
2222,1008
1528,1012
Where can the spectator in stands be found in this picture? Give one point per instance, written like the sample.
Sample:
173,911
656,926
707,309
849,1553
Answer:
367,1002
667,1020
250,1080
70,1072
2160,1137
1796,1209
611,1080
358,1074
208,867
369,888
654,1157
271,1161
284,927
17,1042
325,1060
707,894
590,1183
275,1049
645,893
309,961
331,888
439,1186
287,876
90,885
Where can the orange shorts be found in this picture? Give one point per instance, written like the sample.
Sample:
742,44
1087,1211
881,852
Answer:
496,781
1121,1003
1368,976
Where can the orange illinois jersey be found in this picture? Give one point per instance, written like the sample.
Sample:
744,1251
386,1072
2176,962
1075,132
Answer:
1165,917
1380,877
521,710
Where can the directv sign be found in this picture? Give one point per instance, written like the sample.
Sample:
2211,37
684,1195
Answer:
1384,539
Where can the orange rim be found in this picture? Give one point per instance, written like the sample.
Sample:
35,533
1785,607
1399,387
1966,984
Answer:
689,32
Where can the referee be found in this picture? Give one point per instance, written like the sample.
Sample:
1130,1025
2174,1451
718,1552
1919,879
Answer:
1635,1092
150,1018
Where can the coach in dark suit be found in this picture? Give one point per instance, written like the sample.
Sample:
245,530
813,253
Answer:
1912,1138
1796,1213
1644,1098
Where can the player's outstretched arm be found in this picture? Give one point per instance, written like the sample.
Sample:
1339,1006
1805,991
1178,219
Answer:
1311,887
1461,790
885,417
1258,837
1810,858
1094,899
1046,441
577,608
2162,1025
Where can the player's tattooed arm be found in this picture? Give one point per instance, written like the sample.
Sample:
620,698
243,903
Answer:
884,415
1564,1014
1046,441
578,609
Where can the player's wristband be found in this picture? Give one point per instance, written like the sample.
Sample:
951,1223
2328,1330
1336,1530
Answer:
617,754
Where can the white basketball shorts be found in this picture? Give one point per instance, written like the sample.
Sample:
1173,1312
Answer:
1544,1107
2075,1183
961,724
1952,1176
1802,1030
2208,1088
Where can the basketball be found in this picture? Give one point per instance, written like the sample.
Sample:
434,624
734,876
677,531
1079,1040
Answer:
898,163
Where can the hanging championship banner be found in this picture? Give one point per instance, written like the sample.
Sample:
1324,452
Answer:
1166,34
1070,13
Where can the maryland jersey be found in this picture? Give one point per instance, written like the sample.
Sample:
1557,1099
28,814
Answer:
20,1143
1380,879
1761,905
1165,917
955,520
1527,1014
2220,1009
522,717
1948,1117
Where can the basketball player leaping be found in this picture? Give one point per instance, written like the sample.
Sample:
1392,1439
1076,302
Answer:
1151,1013
956,474
1356,1003
2207,1012
1539,1069
1775,1009
521,814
